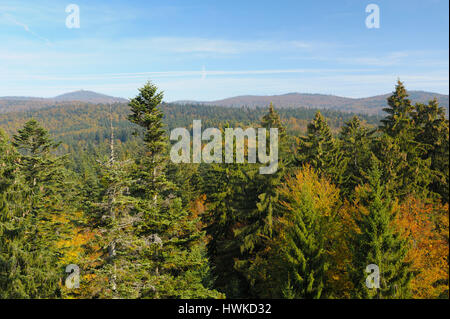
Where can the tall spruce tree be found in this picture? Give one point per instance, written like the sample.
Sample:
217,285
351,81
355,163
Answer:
399,110
27,268
50,187
265,186
177,262
355,145
258,208
116,220
223,185
320,150
307,225
433,131
377,242
146,113
412,175
45,176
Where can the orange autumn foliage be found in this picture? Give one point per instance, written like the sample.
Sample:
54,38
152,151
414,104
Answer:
426,225
74,250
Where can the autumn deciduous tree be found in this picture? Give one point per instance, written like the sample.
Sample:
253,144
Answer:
425,225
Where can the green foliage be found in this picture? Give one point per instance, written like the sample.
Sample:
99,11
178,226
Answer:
413,173
224,187
378,242
140,226
145,112
432,130
27,268
309,207
176,243
355,144
320,150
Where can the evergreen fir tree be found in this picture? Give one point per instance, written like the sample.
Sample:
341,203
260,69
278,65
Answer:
433,131
413,175
258,201
398,120
146,113
305,250
355,145
227,198
27,269
116,219
179,253
50,191
309,205
320,150
45,176
377,242
272,120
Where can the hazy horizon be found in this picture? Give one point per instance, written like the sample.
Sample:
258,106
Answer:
227,97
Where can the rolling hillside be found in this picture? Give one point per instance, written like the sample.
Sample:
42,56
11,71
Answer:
24,103
368,105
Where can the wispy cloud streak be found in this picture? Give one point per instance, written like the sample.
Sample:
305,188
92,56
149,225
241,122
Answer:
13,20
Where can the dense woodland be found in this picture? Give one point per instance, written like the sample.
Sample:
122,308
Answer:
101,192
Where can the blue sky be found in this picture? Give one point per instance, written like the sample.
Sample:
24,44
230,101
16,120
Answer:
206,50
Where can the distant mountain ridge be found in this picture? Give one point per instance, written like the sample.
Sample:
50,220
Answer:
89,97
81,96
368,105
22,103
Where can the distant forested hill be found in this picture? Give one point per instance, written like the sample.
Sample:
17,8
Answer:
86,123
83,128
24,103
368,105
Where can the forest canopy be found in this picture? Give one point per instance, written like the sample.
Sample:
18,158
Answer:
92,185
